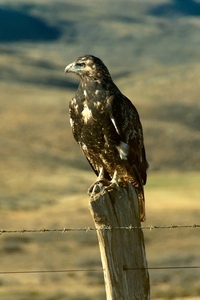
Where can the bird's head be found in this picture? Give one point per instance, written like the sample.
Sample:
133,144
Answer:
88,67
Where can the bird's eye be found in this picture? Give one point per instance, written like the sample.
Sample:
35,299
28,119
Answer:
80,64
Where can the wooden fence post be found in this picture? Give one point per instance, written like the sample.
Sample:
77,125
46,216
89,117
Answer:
122,250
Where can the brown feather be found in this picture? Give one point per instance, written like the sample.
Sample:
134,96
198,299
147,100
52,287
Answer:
107,126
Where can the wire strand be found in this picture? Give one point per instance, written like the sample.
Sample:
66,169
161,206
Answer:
87,229
96,270
50,271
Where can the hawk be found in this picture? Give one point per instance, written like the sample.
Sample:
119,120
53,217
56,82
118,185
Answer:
107,127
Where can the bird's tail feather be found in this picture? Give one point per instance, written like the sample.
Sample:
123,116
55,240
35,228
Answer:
138,184
142,206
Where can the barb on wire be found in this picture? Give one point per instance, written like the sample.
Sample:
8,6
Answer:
87,229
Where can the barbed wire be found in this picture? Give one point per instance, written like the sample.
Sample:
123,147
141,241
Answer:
50,271
96,270
87,229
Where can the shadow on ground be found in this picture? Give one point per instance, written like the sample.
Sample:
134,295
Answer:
18,26
177,7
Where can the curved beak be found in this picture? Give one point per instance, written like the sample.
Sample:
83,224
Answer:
69,68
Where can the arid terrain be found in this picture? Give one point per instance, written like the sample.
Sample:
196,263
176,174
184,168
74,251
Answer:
152,51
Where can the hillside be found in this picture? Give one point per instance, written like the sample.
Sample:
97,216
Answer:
151,48
152,55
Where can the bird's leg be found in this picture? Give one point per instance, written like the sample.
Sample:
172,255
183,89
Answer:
114,183
100,180
101,174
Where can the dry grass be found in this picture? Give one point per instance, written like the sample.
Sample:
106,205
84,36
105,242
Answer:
168,202
43,183
43,175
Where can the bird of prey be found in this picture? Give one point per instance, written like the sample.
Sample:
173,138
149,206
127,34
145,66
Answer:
107,127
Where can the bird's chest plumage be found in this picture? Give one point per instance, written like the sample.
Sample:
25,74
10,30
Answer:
90,119
88,107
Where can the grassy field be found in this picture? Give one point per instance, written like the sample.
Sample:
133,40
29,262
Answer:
172,198
44,180
152,51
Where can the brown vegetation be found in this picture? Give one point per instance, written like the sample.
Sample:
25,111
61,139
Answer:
154,60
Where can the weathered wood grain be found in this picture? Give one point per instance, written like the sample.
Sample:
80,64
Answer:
122,250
